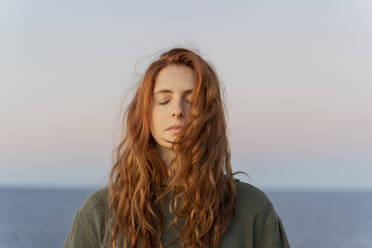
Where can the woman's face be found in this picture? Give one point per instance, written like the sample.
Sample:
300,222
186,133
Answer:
171,102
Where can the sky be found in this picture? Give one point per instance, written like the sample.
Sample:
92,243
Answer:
296,79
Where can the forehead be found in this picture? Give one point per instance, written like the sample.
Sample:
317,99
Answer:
175,78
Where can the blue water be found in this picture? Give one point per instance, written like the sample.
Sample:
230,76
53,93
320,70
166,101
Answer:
40,218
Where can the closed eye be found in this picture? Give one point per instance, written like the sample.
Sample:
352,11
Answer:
163,103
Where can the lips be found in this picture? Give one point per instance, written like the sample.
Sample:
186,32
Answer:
174,127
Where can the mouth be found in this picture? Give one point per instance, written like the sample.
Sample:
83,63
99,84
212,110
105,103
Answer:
174,127
175,130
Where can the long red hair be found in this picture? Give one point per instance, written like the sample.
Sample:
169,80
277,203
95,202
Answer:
202,188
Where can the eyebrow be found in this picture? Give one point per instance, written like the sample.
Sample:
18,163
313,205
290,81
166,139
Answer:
185,92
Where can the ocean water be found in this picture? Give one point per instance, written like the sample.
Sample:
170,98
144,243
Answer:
326,219
40,218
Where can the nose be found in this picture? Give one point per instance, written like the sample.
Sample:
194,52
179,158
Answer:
178,115
178,111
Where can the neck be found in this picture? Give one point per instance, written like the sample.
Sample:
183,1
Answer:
166,154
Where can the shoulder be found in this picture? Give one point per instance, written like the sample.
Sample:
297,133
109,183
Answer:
89,224
252,200
96,199
94,211
96,203
255,208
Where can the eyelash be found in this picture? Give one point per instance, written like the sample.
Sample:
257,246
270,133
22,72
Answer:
163,103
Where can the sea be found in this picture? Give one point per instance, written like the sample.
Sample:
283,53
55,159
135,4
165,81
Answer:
40,218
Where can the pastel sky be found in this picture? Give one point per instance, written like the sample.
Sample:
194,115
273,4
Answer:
297,81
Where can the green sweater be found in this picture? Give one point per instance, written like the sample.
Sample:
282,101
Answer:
257,225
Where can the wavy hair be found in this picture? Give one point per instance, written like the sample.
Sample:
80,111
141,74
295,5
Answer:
202,190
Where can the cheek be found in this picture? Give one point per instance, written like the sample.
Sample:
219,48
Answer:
158,120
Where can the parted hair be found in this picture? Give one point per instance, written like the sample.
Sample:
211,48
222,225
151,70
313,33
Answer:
202,188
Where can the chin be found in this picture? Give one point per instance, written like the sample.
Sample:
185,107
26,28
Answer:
168,142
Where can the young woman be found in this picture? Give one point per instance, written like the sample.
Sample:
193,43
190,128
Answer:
171,184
